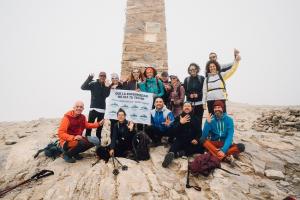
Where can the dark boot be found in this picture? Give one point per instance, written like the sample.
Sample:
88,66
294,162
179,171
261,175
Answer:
168,159
68,159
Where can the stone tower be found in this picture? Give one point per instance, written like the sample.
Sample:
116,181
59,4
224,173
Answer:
145,41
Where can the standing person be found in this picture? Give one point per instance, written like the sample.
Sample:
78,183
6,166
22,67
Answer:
122,135
220,128
186,130
136,77
224,67
194,91
99,93
215,83
115,84
152,84
176,97
161,122
70,133
164,77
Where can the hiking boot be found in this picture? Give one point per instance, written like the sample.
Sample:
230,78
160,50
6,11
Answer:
168,159
179,154
78,157
68,159
229,160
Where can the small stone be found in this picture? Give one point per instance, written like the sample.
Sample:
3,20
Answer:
10,142
284,183
296,180
259,166
274,174
261,184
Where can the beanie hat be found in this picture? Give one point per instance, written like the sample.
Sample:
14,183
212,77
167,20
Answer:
219,103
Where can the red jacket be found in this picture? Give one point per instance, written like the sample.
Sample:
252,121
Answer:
72,125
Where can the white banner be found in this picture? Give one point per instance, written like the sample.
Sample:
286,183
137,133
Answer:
137,105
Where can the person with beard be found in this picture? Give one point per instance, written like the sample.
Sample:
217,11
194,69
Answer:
186,130
161,122
99,93
220,128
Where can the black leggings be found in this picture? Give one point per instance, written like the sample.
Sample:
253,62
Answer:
198,112
81,147
92,116
186,146
210,106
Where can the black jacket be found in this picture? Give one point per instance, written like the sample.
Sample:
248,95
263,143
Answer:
131,85
194,85
99,92
121,135
188,131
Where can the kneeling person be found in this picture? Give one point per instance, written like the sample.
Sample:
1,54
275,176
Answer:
122,135
186,129
70,133
220,128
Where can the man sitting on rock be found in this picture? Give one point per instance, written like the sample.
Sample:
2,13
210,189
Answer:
186,130
220,128
161,122
70,133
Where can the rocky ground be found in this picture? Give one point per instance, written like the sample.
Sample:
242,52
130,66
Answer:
269,168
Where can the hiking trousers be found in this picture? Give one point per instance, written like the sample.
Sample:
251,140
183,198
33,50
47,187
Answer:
186,146
214,146
93,114
75,147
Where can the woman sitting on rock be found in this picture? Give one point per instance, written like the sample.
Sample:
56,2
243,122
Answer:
121,143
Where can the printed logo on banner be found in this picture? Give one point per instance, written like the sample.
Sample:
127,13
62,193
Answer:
124,106
114,104
134,107
133,116
144,108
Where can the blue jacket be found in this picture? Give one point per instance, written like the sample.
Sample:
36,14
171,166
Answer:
154,86
159,117
220,130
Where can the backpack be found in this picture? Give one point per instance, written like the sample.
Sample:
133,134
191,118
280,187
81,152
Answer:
140,145
200,79
221,78
204,164
52,150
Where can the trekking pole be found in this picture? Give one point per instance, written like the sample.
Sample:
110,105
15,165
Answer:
124,167
116,170
39,175
229,172
188,179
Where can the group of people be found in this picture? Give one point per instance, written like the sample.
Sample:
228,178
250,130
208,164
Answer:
177,113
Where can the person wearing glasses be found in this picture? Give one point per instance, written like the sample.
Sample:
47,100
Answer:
224,67
194,91
99,93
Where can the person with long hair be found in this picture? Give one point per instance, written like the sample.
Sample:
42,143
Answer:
215,83
194,91
152,84
176,97
136,77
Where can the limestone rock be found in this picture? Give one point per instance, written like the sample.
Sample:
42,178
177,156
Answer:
274,174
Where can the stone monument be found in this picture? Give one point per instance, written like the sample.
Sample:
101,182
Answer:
145,42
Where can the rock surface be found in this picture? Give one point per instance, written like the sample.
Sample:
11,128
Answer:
147,179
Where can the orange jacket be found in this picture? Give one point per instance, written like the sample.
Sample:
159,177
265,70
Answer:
72,125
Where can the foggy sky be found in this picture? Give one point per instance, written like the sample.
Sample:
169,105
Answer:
48,48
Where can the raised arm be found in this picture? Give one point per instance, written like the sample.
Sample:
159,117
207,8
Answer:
87,83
